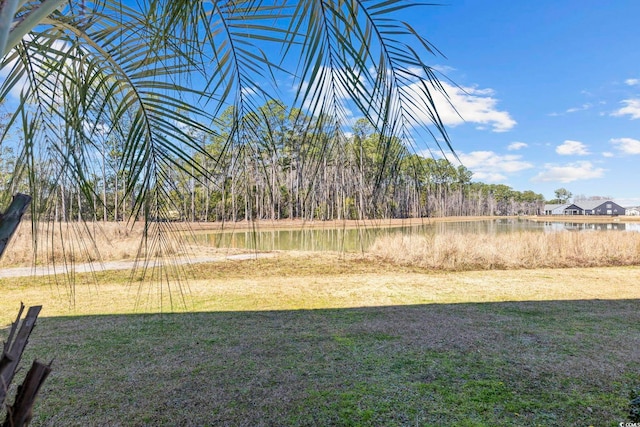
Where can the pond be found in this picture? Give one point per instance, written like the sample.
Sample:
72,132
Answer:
359,239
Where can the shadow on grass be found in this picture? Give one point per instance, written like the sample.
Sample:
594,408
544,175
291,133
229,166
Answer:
516,363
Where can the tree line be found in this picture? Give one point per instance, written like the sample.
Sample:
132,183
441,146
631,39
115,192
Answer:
281,172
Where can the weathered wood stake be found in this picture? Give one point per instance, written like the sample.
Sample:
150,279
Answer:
13,348
10,220
20,413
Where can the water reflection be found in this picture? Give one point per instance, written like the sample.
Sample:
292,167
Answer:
360,239
349,240
581,226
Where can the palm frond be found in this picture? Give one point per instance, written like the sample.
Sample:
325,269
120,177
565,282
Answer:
148,81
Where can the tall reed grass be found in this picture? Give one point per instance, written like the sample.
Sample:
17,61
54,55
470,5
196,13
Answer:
453,251
48,243
76,242
528,249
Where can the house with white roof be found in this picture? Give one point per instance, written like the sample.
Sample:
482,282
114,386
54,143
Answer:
586,207
555,209
633,211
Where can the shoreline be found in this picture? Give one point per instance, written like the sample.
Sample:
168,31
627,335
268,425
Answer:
296,224
111,241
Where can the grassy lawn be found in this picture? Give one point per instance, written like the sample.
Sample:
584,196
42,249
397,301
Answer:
330,340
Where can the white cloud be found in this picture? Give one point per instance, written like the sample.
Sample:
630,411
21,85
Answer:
464,105
607,154
488,166
517,146
626,145
19,86
489,177
409,73
570,172
57,51
444,69
580,108
572,148
459,105
249,91
632,109
632,82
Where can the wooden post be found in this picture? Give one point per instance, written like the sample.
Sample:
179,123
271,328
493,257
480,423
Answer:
13,348
11,218
20,413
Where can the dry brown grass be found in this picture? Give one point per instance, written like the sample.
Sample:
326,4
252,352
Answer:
110,241
79,243
311,281
76,242
455,251
64,243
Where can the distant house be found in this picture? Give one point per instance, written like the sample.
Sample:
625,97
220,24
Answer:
601,207
635,211
554,209
586,207
573,209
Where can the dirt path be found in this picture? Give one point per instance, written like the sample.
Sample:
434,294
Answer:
118,265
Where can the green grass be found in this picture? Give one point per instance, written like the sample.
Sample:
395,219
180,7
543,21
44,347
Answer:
462,364
349,344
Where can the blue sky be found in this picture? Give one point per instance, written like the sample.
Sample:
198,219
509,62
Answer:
551,92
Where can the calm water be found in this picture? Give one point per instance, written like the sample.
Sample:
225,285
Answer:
353,240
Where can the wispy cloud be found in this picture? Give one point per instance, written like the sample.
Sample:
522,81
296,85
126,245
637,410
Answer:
460,104
626,145
631,108
632,82
578,171
57,51
489,166
249,91
583,107
517,146
572,148
465,105
444,69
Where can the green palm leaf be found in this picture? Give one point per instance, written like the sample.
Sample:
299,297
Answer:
148,82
